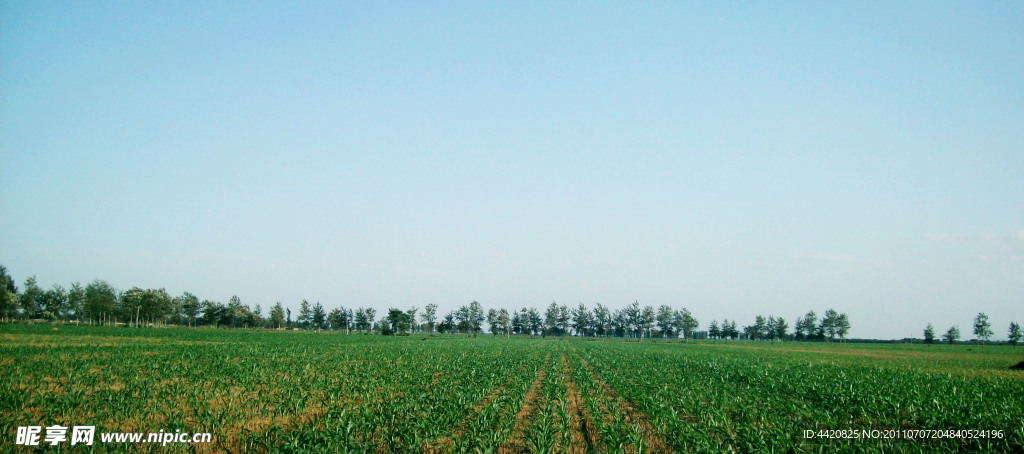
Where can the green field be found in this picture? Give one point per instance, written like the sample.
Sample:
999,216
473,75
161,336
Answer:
284,391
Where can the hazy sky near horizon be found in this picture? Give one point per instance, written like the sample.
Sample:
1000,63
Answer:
732,158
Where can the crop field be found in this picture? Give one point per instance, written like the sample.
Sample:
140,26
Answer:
283,391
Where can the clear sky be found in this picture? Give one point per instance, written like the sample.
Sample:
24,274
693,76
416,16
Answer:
734,158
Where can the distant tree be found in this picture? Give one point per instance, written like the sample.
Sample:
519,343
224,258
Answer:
306,314
319,317
492,321
982,328
394,322
760,328
602,320
334,319
371,315
829,323
952,335
1015,334
632,317
8,296
730,330
666,321
647,318
713,331
505,322
212,313
780,328
31,299
842,326
288,320
76,300
100,302
429,316
277,315
190,307
476,317
581,320
564,319
448,323
54,303
805,326
686,322
411,318
929,334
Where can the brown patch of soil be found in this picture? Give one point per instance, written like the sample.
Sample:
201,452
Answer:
516,440
582,430
654,442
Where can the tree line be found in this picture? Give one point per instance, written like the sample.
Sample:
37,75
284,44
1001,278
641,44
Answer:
99,303
982,330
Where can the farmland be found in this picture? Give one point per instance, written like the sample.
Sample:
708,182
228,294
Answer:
284,391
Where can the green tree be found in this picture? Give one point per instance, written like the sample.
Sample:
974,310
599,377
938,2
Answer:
713,331
100,302
805,326
982,328
430,316
687,323
76,300
581,320
318,316
190,307
666,321
829,324
305,314
647,321
411,318
952,335
277,315
602,320
929,334
1014,334
505,322
8,296
31,299
54,303
842,326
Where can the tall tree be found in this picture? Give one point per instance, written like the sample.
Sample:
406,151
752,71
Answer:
411,318
1014,335
713,331
476,317
581,320
100,302
505,322
952,335
277,315
319,317
929,334
305,314
666,320
602,320
76,300
55,302
780,328
842,326
492,321
982,328
687,323
8,296
647,321
805,326
429,316
829,323
190,307
31,299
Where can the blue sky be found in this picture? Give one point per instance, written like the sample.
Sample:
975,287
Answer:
732,158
